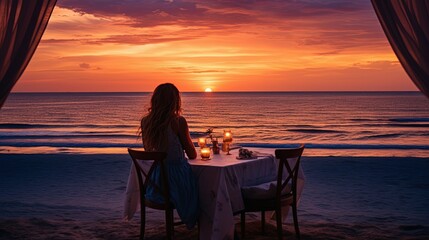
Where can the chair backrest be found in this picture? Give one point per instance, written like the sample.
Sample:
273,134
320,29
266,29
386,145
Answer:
283,155
144,176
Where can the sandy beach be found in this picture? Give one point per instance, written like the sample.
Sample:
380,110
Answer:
80,196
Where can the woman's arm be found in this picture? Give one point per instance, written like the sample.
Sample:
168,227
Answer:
185,138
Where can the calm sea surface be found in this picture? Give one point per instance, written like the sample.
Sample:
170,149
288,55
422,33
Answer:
330,123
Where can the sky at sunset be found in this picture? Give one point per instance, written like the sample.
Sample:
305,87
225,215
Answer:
235,45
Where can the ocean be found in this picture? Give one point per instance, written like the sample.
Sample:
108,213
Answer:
329,123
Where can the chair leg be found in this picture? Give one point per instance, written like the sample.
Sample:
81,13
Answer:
142,221
263,221
199,229
172,224
295,221
168,225
243,224
279,223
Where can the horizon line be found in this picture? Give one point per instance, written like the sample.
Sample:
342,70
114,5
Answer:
328,91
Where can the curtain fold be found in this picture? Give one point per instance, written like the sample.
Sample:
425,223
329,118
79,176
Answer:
406,25
22,23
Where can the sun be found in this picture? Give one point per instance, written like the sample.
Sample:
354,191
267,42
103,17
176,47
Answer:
208,90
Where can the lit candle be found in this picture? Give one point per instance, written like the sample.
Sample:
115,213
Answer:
205,153
202,142
227,136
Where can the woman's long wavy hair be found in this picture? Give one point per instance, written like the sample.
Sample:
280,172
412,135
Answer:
165,106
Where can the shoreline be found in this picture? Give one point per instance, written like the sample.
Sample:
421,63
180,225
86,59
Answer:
80,196
309,152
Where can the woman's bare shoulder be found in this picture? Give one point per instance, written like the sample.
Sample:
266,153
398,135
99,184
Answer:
182,121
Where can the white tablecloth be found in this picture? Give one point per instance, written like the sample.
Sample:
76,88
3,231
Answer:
220,180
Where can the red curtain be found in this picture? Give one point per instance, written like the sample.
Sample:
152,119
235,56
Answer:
22,23
406,25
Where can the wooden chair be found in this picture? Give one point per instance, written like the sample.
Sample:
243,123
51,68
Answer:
285,193
144,181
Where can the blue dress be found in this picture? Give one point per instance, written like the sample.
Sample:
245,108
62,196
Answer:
182,182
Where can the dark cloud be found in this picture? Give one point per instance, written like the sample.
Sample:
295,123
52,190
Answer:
210,13
327,53
377,65
138,39
291,9
58,41
193,70
156,12
88,66
84,65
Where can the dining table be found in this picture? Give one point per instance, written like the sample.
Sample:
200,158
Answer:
220,180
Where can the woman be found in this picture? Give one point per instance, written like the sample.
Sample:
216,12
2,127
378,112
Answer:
164,129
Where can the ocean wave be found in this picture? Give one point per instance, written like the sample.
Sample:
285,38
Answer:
303,126
338,146
198,134
65,136
67,144
29,126
366,119
398,124
388,135
256,145
304,130
412,125
405,119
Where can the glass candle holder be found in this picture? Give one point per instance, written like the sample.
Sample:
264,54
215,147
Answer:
224,147
227,136
202,142
205,153
227,140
